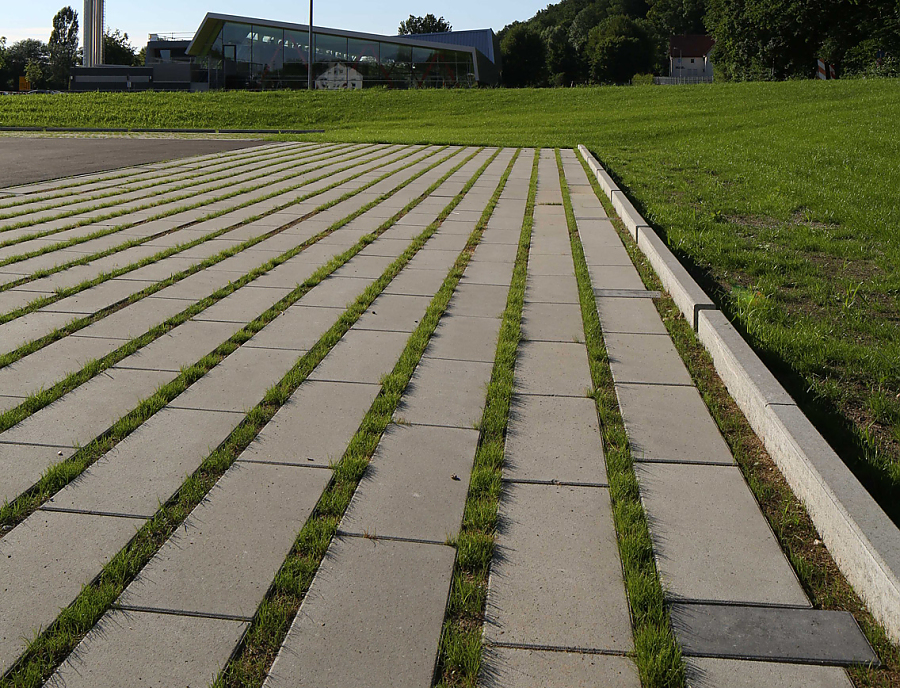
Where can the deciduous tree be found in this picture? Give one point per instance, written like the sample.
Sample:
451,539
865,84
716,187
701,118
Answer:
63,47
427,24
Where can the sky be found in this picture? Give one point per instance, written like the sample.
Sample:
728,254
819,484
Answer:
33,19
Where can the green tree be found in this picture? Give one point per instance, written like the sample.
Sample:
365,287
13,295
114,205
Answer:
19,54
4,73
427,24
678,17
117,50
585,21
63,47
34,72
564,63
524,57
621,47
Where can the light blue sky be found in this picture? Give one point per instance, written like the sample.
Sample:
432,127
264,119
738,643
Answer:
33,18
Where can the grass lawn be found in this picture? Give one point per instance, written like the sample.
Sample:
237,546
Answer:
784,200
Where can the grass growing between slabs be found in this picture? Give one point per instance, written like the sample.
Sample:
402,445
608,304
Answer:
779,197
272,621
459,658
818,573
656,651
50,648
63,473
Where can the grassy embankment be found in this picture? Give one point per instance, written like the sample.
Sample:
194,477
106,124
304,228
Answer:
781,197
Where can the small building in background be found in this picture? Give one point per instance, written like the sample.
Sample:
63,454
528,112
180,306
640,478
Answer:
689,59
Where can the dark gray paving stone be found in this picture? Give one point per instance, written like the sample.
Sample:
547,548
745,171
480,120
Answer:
711,540
315,425
554,438
479,301
446,392
148,466
703,672
362,356
182,346
666,423
553,368
645,358
239,382
414,282
503,667
155,650
552,322
629,316
465,339
394,312
615,277
626,294
416,485
766,633
383,599
44,562
208,566
551,289
556,579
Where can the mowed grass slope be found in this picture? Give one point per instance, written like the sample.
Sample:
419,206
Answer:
783,198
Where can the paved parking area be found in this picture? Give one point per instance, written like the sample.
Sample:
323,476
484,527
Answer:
239,314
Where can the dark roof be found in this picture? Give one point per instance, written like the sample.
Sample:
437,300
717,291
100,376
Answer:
690,46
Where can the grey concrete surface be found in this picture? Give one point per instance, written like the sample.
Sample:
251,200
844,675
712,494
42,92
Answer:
362,356
552,322
465,339
553,368
703,672
645,358
445,392
29,160
363,599
809,636
556,579
503,667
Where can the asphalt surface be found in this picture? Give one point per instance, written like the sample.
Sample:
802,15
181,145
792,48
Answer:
28,160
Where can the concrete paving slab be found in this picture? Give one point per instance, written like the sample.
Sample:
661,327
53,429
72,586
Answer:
551,264
603,256
465,339
645,358
487,272
703,672
298,329
97,298
44,562
243,305
556,579
671,423
629,316
149,465
315,425
478,301
394,312
416,485
553,368
415,282
21,466
29,327
239,382
446,393
710,539
817,636
182,346
615,277
551,289
503,667
161,270
210,567
134,320
427,259
554,439
552,322
362,356
159,650
336,292
391,618
364,266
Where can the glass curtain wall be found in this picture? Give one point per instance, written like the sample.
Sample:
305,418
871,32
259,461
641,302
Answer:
246,56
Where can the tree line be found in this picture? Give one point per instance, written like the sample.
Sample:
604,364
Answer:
48,65
609,41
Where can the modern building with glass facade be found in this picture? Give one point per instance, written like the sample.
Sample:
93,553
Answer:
245,53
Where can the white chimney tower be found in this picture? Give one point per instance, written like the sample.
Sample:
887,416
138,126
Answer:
93,21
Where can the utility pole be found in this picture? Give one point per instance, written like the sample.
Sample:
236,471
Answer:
309,52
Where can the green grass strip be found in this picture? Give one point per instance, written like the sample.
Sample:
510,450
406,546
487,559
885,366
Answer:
195,189
250,665
80,323
656,652
50,648
459,657
207,174
39,400
162,215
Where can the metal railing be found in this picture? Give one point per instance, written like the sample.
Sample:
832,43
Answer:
677,80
